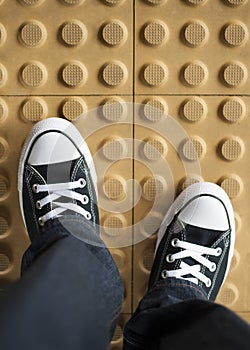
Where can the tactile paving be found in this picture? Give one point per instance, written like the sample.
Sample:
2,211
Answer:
222,155
188,74
183,51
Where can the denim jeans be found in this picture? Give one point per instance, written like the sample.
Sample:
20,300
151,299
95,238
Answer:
70,297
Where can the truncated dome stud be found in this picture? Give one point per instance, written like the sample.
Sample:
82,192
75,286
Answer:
31,2
195,74
155,33
114,73
194,109
232,148
3,110
234,74
73,108
74,74
155,148
4,225
33,74
34,109
114,149
3,75
114,188
236,2
4,186
194,148
114,109
4,262
235,33
114,33
155,74
3,34
4,149
113,2
73,33
155,109
232,184
195,33
155,2
72,2
195,2
233,109
32,34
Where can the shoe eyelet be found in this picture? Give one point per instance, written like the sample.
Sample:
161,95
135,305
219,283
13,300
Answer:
169,258
82,182
208,283
35,188
41,221
213,267
38,205
88,216
85,199
164,274
218,251
174,242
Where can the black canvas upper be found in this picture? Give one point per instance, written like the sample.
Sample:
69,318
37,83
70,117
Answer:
195,235
51,174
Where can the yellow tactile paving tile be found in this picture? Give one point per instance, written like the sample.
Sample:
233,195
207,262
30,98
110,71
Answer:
71,52
192,47
218,132
108,131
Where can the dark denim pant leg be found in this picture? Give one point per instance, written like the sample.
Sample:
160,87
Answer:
175,315
69,296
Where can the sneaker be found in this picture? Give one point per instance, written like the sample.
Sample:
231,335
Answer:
56,176
196,239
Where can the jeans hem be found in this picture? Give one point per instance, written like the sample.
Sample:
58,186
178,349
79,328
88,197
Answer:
171,282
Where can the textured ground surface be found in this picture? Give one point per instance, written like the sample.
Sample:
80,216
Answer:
185,58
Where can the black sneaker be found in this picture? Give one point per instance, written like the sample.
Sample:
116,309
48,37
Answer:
56,176
196,239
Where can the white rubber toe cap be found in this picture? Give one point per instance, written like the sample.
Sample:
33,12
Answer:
206,212
52,147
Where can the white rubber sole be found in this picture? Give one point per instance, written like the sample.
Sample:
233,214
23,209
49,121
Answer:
192,191
59,125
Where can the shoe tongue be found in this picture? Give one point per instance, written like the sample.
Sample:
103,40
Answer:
56,173
195,235
201,236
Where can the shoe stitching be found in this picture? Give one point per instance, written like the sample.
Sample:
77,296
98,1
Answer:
216,243
91,193
221,238
76,168
218,268
80,165
204,268
31,198
40,179
163,256
184,238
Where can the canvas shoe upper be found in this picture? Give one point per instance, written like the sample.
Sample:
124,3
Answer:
56,176
196,239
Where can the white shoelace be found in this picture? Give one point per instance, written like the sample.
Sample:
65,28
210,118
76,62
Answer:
196,252
61,190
